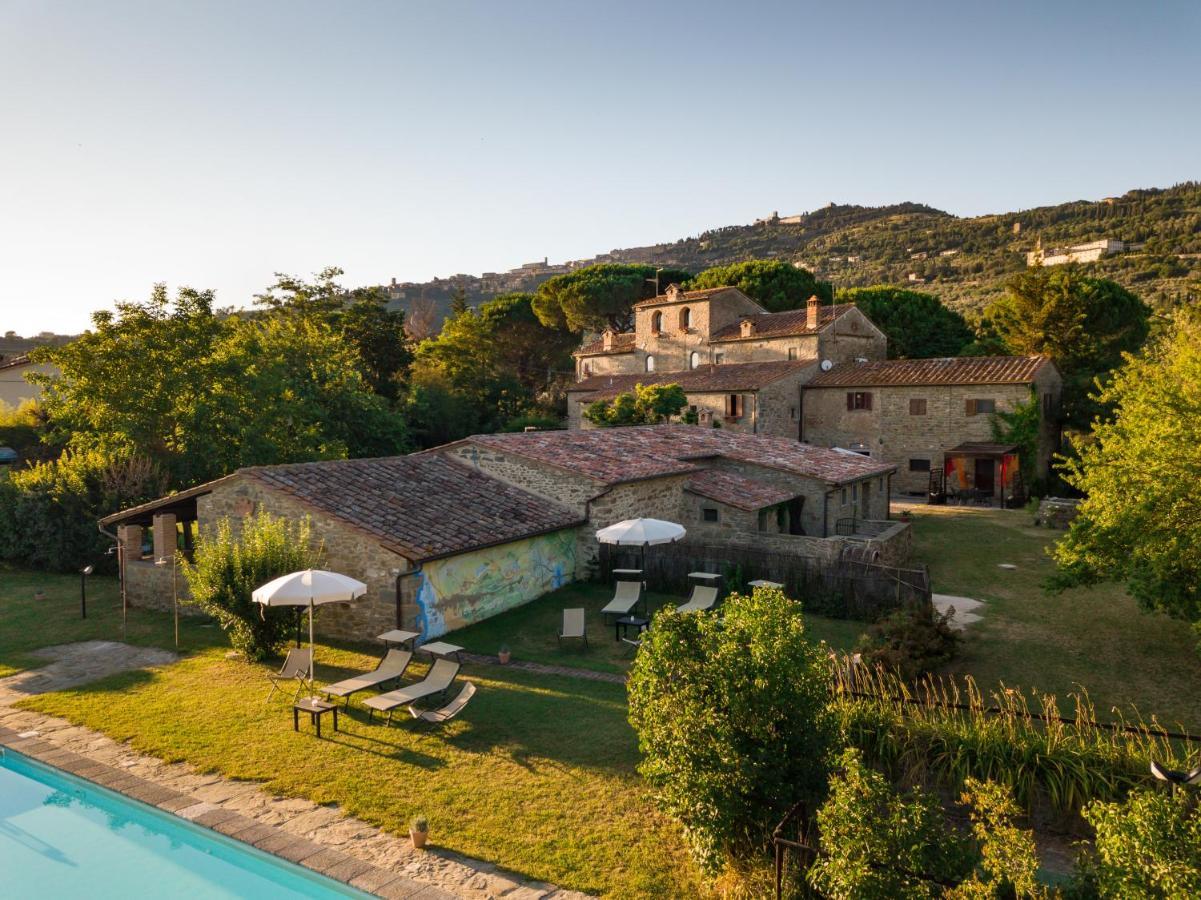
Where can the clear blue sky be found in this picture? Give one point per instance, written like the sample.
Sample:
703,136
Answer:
211,144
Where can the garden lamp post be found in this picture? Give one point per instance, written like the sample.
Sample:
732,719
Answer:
162,561
83,590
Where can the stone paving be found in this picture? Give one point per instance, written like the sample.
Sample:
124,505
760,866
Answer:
543,669
318,837
965,609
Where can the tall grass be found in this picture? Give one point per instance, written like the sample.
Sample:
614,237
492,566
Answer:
941,730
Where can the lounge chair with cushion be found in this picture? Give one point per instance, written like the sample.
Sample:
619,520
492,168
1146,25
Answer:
438,680
625,598
390,668
449,711
299,665
704,596
573,626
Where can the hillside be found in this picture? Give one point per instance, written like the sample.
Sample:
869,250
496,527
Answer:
963,260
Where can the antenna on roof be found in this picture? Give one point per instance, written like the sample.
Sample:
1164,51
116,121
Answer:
655,280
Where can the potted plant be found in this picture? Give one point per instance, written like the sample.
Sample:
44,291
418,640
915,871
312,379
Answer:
504,654
39,594
905,516
419,831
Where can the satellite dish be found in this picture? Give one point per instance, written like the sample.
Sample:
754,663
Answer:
827,365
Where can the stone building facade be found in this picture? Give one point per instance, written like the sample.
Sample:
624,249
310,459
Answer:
918,414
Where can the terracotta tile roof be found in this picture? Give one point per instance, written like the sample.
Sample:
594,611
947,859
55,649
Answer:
954,370
684,296
705,379
781,324
616,455
623,342
14,361
423,506
736,490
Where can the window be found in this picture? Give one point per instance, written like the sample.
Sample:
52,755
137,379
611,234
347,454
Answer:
919,465
978,406
763,520
792,413
859,400
656,323
917,407
1048,405
854,492
685,319
844,496
792,352
734,406
586,368
709,514
719,358
694,359
880,488
650,364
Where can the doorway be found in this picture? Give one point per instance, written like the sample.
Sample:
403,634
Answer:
795,505
986,475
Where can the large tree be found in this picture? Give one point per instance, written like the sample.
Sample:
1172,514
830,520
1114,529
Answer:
1085,324
598,297
773,284
918,325
1140,519
203,393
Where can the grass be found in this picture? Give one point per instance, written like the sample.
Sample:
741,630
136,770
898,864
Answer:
29,624
530,631
537,775
1096,638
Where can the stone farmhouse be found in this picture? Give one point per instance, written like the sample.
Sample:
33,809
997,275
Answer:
15,389
453,535
820,375
740,365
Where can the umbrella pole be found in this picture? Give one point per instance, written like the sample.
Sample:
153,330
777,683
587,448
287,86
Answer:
312,648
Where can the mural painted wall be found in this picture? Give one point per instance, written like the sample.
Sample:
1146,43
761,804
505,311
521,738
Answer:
464,589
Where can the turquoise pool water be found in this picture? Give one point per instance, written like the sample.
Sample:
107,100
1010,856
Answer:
63,837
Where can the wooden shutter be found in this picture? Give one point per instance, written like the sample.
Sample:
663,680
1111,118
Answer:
969,407
867,400
850,400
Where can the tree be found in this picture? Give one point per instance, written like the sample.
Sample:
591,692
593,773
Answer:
1021,426
918,325
645,405
204,394
230,563
598,297
521,344
1140,519
732,720
1084,324
458,302
773,284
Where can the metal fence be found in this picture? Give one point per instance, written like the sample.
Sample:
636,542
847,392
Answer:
849,587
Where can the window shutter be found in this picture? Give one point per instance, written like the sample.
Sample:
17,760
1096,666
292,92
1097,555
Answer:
969,407
850,400
867,401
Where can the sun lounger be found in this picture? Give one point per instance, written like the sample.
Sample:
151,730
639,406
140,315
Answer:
625,598
703,597
449,711
299,665
573,626
439,678
390,668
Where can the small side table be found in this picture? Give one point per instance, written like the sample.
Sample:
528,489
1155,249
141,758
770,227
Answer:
622,626
442,648
316,708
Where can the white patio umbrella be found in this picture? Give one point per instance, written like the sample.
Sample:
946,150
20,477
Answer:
312,587
641,533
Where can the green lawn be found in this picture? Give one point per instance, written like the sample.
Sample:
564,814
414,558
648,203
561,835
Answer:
537,775
27,624
1096,637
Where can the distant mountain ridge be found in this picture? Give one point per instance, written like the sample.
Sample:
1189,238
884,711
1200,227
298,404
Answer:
964,260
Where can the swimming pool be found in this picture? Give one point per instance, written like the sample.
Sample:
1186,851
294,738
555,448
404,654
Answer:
61,836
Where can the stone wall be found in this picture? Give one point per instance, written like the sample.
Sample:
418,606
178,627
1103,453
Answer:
149,587
655,498
568,489
1056,512
893,434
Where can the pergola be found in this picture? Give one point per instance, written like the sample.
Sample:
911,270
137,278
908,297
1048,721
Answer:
983,469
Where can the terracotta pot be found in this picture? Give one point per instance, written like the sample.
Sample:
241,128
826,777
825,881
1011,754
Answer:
418,838
39,595
504,656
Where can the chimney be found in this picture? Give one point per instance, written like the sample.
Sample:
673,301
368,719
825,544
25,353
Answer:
607,339
748,327
813,313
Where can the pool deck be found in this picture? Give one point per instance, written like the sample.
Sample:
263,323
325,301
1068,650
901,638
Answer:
318,837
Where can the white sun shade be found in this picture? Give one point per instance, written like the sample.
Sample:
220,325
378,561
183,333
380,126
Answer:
641,532
312,587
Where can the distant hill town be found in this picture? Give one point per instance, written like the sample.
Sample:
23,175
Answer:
1149,240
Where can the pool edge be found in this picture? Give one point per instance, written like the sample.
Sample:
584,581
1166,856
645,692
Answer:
260,838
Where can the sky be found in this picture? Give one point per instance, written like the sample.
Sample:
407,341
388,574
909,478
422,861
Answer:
213,144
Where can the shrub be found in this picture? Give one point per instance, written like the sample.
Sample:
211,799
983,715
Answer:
230,564
914,732
876,843
732,721
910,641
48,512
1148,846
1008,856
